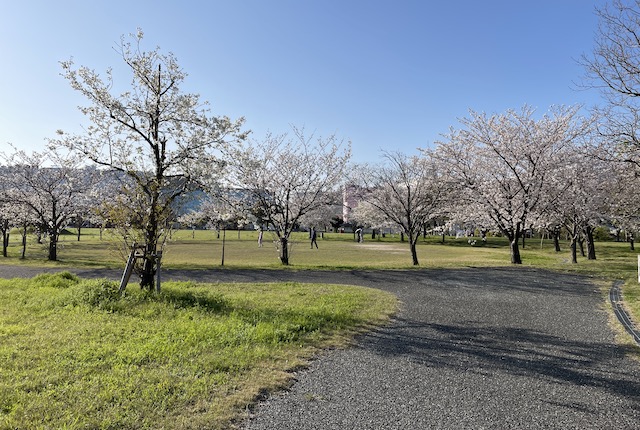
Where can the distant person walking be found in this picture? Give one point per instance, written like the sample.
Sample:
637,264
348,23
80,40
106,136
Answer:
314,238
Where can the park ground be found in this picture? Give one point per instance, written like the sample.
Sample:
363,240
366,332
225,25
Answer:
530,335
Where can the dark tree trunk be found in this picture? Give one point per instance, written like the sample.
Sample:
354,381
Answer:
413,239
514,237
24,242
148,275
53,247
284,251
581,244
574,249
574,236
556,239
515,251
414,254
147,278
5,237
224,239
591,246
79,229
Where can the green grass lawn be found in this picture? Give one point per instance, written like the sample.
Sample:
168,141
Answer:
202,249
75,355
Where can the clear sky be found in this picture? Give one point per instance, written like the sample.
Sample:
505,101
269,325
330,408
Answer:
385,75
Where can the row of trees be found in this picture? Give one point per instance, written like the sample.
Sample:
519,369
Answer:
507,173
152,146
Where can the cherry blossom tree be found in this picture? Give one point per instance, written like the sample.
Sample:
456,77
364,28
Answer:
585,202
614,68
503,161
191,220
102,196
624,200
324,215
5,225
285,178
407,191
368,216
49,183
5,212
164,140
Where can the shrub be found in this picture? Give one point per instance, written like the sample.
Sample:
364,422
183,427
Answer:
95,293
55,280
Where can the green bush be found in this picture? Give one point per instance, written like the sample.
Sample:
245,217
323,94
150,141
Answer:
602,234
95,293
55,280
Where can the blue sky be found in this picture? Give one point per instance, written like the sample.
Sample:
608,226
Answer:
385,75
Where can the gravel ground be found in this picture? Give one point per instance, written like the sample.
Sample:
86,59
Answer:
470,348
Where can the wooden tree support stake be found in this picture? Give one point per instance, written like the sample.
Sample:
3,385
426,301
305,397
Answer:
137,252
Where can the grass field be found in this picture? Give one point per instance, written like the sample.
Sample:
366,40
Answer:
74,355
202,249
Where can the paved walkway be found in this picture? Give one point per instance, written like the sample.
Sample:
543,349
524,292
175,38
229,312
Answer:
470,348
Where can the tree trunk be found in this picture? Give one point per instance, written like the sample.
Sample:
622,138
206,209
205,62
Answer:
5,237
591,246
224,237
147,278
414,253
574,249
515,251
148,275
581,244
24,242
284,251
53,247
514,237
556,239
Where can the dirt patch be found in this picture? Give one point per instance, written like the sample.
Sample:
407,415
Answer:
382,247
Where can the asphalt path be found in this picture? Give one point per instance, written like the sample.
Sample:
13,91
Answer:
470,348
